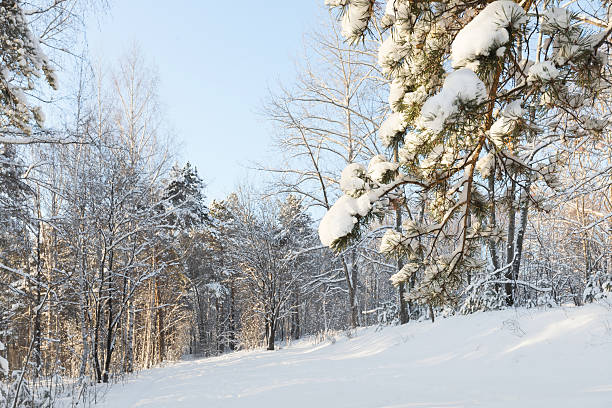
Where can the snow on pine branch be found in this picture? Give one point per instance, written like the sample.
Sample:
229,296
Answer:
509,117
437,119
379,169
392,128
460,87
395,10
355,18
556,19
362,189
542,71
487,32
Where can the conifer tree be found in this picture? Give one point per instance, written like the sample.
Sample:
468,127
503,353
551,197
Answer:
484,98
184,192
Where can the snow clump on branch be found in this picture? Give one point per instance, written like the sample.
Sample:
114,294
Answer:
352,180
356,16
542,72
487,32
380,170
460,87
341,218
506,123
361,190
393,127
556,19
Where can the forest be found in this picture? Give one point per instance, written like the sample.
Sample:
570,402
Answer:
434,158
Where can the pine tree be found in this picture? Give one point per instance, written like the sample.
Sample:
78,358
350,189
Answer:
474,121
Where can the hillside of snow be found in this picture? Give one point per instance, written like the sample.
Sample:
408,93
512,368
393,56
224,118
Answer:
544,358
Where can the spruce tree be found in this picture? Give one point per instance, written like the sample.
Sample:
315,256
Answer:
184,193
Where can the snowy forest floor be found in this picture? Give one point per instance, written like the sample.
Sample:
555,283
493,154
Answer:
559,357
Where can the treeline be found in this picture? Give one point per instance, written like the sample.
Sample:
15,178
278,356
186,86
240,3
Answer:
111,261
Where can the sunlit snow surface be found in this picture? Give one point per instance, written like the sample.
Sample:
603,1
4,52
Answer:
514,358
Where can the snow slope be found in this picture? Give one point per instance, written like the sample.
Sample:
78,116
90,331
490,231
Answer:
514,358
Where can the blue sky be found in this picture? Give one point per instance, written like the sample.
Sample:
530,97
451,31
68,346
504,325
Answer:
216,61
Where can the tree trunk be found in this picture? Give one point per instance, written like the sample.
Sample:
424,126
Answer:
95,347
510,245
147,349
354,306
493,224
110,333
159,311
219,324
351,277
524,204
295,318
232,321
37,332
130,337
403,310
37,327
271,333
82,318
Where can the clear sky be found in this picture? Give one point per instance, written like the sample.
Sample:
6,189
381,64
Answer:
216,60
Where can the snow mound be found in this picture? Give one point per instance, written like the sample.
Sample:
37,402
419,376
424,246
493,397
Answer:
513,358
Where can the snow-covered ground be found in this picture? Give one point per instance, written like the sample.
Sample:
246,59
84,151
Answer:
514,358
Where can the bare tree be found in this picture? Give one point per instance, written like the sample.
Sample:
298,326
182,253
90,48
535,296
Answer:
326,120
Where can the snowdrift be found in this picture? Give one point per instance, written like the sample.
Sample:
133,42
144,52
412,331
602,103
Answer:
558,357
